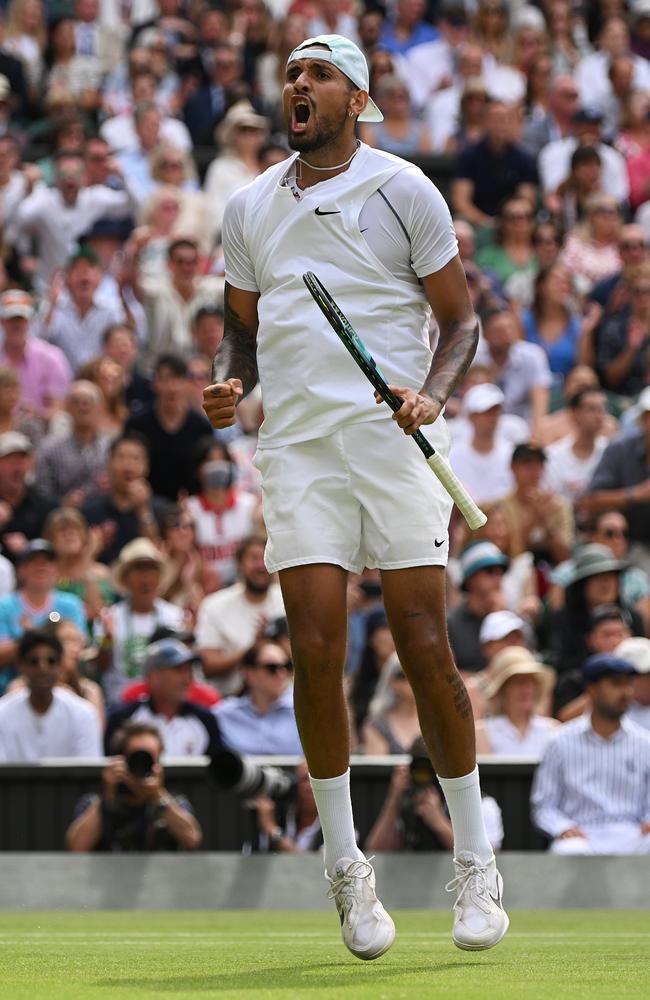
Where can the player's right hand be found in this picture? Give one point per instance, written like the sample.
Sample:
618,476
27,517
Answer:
220,400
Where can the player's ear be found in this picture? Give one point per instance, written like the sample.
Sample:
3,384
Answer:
358,101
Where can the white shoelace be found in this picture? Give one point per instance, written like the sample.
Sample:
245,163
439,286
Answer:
472,878
360,869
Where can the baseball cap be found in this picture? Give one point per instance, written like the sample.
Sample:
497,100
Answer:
168,653
605,665
528,453
37,547
636,650
608,613
499,624
480,555
82,252
13,442
347,57
587,116
482,397
16,302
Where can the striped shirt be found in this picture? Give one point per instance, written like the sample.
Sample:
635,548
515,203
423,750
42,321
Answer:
584,779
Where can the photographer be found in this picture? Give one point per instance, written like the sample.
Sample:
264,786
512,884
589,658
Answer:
134,812
413,816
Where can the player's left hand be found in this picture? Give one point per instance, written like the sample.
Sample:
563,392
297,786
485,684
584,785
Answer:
417,409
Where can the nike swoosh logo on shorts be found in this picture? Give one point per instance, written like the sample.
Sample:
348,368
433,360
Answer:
437,543
318,212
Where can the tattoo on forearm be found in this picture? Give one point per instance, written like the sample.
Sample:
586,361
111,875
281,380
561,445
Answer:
453,356
462,704
237,353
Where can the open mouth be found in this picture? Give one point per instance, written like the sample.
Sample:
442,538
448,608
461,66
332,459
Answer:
300,114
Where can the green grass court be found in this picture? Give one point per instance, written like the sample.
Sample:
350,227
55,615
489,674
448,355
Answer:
246,954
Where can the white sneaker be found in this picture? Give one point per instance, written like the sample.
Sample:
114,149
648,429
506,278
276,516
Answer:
366,928
479,918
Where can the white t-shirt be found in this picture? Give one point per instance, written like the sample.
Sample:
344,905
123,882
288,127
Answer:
218,534
566,474
487,477
228,621
369,234
131,635
69,728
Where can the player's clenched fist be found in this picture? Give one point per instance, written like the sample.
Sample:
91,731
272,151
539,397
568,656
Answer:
220,400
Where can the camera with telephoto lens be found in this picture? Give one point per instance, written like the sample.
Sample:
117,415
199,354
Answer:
418,836
238,774
140,764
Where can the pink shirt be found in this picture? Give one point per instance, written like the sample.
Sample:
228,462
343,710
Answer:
44,373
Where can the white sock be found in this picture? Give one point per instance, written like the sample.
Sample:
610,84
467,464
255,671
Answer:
463,796
335,812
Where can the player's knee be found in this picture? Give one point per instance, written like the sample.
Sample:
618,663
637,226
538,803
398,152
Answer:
316,653
424,646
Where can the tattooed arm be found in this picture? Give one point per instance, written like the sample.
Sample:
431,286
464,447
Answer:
234,369
449,298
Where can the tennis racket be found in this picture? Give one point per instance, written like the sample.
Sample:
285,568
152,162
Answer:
351,340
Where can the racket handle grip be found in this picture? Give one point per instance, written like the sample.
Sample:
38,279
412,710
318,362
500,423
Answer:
473,515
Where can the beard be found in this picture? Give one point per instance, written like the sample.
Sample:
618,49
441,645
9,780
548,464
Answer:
257,586
328,134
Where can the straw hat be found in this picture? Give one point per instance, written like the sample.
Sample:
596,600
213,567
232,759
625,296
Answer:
241,113
138,551
516,661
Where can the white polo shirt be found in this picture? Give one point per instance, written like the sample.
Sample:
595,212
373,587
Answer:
69,728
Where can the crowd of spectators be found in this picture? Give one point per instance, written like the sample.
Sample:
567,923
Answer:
136,613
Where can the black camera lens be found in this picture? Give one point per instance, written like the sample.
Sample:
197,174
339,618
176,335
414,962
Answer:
140,763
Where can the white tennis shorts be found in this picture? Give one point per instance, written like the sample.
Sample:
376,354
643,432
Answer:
362,496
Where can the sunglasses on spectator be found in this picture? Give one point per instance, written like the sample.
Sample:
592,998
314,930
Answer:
172,163
517,216
632,245
616,533
275,668
34,661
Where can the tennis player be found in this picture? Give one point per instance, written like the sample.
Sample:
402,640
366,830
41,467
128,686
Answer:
343,489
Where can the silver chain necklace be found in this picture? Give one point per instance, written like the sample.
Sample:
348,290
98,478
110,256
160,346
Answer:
337,166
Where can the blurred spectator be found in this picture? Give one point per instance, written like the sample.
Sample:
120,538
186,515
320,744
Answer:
42,368
71,466
240,137
482,462
492,169
392,723
500,630
456,115
233,620
560,423
522,370
174,172
205,108
171,301
119,344
379,646
74,548
571,461
624,337
552,321
171,428
94,37
540,521
58,216
22,508
636,651
621,482
222,513
512,253
595,581
490,28
26,37
127,510
585,179
14,181
554,161
35,603
556,121
616,105
75,317
613,293
482,567
120,132
187,579
285,34
126,627
573,796
511,429
592,72
188,730
414,816
262,720
207,330
135,812
135,163
433,68
406,28
516,684
591,249
71,76
44,719
300,831
110,378
401,132
12,68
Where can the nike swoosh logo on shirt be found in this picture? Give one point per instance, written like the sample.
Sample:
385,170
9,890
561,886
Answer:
318,212
437,543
